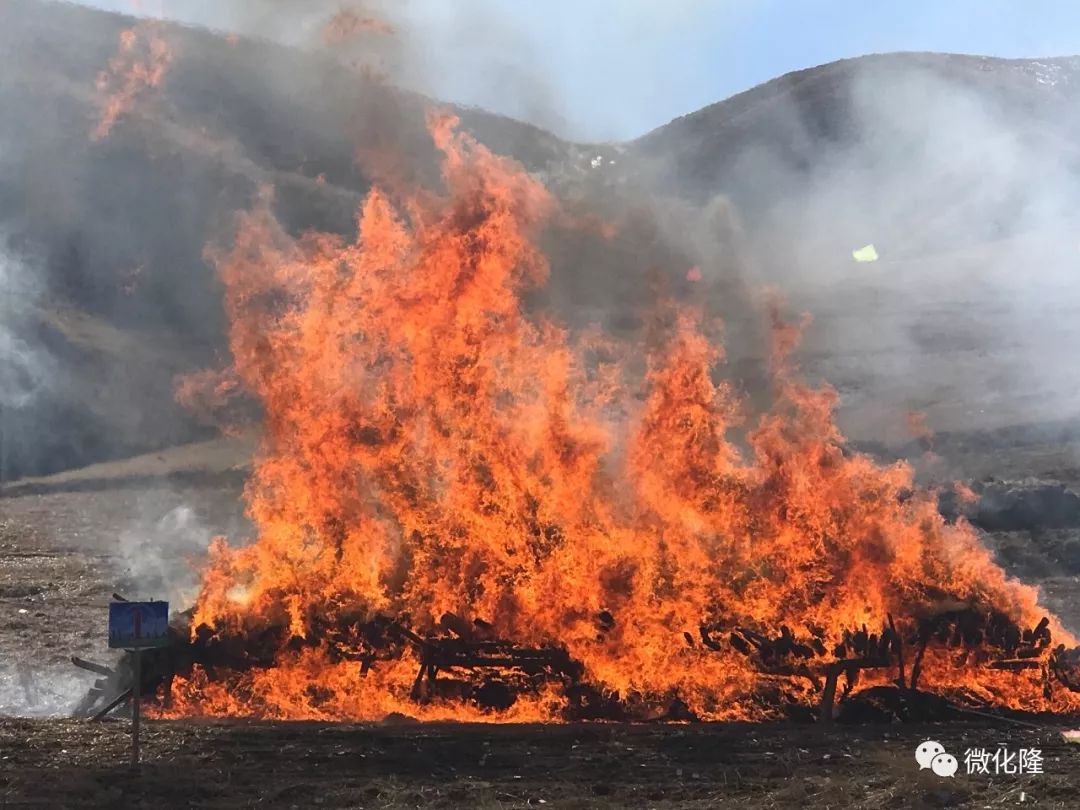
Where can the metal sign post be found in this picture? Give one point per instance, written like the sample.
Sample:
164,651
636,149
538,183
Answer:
136,626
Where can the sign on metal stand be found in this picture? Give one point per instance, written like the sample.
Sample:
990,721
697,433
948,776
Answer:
137,626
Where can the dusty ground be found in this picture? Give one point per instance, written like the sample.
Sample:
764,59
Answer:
68,542
51,764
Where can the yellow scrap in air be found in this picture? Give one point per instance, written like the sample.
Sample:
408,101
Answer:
865,254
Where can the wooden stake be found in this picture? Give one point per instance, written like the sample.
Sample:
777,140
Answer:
832,672
136,695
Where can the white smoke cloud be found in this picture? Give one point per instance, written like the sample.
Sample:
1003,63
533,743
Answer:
25,366
158,553
585,71
28,690
956,169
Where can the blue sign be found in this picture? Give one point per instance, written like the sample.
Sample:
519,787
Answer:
137,625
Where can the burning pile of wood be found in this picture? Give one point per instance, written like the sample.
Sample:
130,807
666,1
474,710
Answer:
464,661
985,639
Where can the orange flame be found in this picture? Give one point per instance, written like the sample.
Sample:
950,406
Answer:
140,64
347,24
919,428
429,447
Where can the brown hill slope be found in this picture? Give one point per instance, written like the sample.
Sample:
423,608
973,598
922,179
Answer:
960,169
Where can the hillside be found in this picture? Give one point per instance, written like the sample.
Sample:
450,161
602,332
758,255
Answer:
115,229
961,170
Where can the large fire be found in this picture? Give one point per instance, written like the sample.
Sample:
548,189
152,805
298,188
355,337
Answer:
436,459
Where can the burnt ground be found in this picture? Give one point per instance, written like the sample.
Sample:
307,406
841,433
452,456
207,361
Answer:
52,764
67,542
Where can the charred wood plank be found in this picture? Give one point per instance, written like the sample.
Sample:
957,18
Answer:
121,698
88,702
828,697
1064,665
916,667
1014,664
898,645
90,666
453,623
708,640
849,667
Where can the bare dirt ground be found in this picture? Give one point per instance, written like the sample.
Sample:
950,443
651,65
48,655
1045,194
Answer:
69,541
52,764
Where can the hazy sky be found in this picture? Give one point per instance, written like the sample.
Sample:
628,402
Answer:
614,69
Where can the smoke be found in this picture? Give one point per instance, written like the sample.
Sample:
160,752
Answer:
25,368
477,52
969,199
28,690
159,555
962,173
958,169
586,72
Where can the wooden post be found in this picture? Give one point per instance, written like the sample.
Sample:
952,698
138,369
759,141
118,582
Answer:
832,673
136,695
902,680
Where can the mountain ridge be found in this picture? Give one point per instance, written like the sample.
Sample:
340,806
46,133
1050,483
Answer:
773,186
